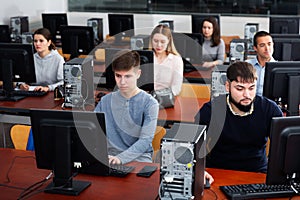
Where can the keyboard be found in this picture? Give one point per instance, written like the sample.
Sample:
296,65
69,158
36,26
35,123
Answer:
29,93
260,190
120,170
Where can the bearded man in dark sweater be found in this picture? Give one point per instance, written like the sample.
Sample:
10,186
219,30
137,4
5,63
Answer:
238,123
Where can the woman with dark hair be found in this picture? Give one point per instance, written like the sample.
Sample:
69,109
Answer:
48,63
213,47
168,64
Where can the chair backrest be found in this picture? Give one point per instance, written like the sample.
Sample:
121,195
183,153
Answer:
159,134
195,90
19,135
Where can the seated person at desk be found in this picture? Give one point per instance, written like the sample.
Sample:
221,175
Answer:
131,113
213,47
48,63
168,64
264,47
241,145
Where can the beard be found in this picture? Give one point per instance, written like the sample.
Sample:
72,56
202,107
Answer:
243,108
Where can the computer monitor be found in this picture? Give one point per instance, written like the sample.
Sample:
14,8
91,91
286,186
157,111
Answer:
198,18
68,142
120,26
280,35
4,33
77,40
146,80
282,84
284,25
16,65
189,45
53,21
284,165
286,49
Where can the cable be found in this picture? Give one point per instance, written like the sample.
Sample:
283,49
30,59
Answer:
11,166
34,186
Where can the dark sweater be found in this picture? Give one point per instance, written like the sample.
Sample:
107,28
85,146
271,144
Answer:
242,143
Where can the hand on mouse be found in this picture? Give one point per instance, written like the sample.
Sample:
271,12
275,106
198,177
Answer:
209,177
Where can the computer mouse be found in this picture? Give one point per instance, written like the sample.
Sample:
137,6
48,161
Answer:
207,184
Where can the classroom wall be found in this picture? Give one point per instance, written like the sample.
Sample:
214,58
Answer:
230,25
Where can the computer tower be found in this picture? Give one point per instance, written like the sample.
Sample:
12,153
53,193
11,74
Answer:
97,24
139,42
78,82
238,50
218,80
27,38
169,23
250,31
182,162
18,26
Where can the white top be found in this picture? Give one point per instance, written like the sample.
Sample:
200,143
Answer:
169,73
49,70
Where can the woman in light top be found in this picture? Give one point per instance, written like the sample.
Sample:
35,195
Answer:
48,63
168,64
213,47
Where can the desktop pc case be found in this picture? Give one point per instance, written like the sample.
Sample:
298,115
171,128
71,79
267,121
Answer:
27,38
78,82
250,31
18,25
238,50
97,24
182,162
139,42
218,80
169,23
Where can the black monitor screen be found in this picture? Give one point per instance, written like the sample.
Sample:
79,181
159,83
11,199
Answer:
146,80
68,142
121,25
284,163
189,45
4,33
282,84
77,40
286,49
284,25
198,18
16,65
53,21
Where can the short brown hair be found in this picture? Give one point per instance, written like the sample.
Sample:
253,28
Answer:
125,59
243,70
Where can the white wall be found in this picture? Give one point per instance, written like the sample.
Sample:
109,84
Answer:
30,8
230,25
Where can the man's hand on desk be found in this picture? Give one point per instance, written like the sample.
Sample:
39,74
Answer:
114,160
209,177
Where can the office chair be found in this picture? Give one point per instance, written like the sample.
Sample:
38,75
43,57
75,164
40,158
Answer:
19,135
159,134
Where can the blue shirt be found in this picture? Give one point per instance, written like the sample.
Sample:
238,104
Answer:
241,140
130,125
260,71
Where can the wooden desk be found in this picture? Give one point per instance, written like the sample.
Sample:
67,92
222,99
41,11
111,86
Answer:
24,173
20,167
184,110
43,102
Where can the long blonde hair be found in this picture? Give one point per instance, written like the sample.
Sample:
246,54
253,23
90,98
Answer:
166,31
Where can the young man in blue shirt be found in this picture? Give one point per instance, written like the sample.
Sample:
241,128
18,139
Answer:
264,46
240,143
131,113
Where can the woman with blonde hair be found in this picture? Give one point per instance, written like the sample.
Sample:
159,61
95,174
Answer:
168,64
